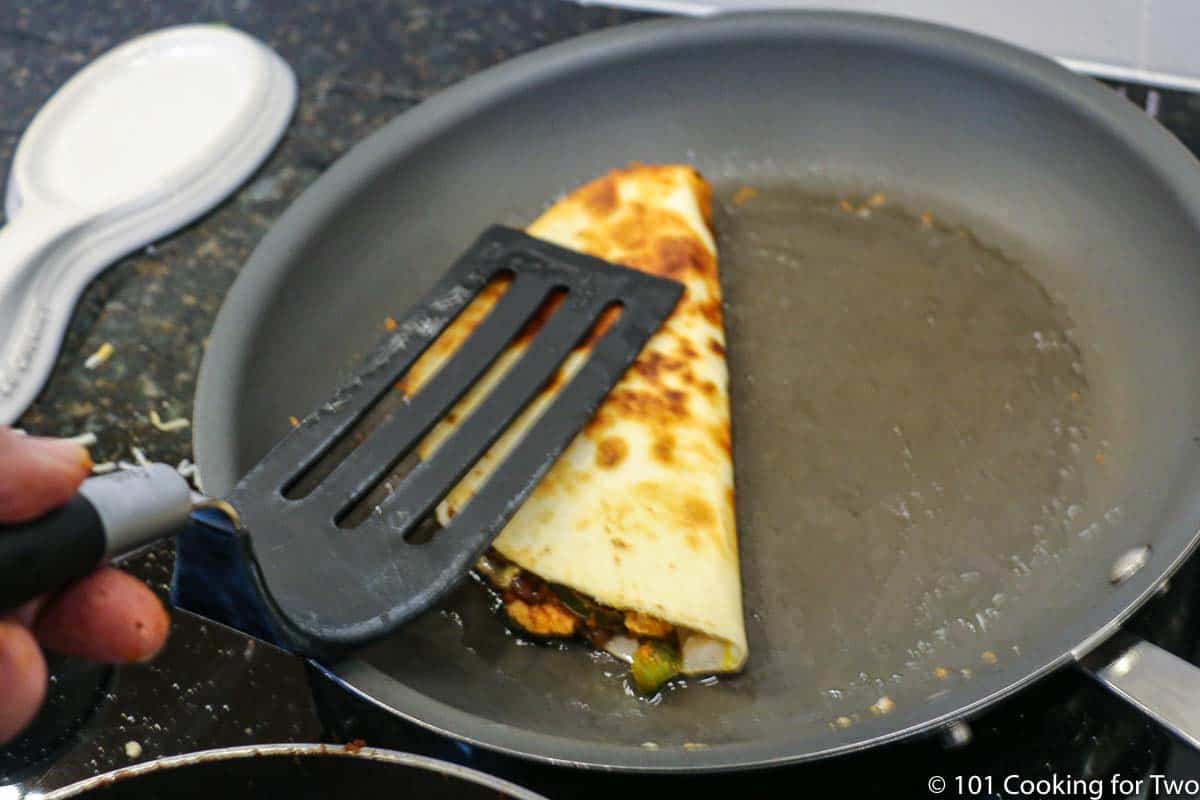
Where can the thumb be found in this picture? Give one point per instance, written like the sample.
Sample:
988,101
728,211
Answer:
38,474
22,679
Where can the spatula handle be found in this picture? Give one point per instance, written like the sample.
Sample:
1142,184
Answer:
110,516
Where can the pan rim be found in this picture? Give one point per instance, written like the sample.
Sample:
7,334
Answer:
1156,150
289,750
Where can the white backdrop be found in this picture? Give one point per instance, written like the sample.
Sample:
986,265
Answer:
1148,41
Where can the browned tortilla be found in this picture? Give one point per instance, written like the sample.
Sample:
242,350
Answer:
638,513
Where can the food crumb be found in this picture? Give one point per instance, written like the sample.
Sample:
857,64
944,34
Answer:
694,746
179,423
876,200
1076,396
355,745
941,673
139,456
650,745
98,358
927,219
744,195
846,205
295,423
988,657
884,705
1100,457
133,749
844,722
84,439
390,324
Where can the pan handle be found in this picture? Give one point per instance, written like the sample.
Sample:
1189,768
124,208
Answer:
1163,686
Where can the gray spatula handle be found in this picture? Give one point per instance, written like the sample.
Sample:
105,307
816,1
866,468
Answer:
110,516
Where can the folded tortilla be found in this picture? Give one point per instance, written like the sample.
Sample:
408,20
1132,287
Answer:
638,512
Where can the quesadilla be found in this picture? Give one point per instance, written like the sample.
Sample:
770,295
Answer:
630,539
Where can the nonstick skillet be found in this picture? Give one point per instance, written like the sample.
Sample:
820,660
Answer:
1095,201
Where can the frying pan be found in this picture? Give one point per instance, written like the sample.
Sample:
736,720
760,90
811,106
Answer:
292,770
1095,201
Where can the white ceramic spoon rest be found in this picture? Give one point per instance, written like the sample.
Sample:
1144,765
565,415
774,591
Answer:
142,141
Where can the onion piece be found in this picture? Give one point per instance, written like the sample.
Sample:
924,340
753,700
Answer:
622,646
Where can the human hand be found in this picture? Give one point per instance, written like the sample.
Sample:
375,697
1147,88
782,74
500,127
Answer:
108,616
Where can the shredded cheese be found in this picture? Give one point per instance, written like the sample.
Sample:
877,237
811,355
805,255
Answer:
176,424
98,358
83,439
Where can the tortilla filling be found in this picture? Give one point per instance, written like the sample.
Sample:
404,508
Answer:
656,650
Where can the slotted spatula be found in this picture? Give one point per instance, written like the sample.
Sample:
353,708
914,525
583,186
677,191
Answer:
290,574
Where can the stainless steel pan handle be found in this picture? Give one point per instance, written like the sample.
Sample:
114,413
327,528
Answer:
1162,685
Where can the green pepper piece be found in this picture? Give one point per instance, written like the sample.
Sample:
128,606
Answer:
593,615
654,663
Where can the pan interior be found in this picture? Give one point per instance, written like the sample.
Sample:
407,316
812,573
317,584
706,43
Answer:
917,448
847,398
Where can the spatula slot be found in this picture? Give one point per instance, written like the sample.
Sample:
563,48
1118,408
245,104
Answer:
395,396
519,428
423,374
457,499
498,416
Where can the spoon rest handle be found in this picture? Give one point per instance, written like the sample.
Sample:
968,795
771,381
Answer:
29,244
26,238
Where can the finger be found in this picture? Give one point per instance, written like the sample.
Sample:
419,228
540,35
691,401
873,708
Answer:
22,679
39,474
108,616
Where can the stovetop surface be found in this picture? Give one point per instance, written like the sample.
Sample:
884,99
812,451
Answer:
214,688
360,64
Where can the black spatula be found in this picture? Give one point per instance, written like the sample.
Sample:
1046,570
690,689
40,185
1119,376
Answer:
290,572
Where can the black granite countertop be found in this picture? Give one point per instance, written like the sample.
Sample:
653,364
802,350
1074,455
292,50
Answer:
359,63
